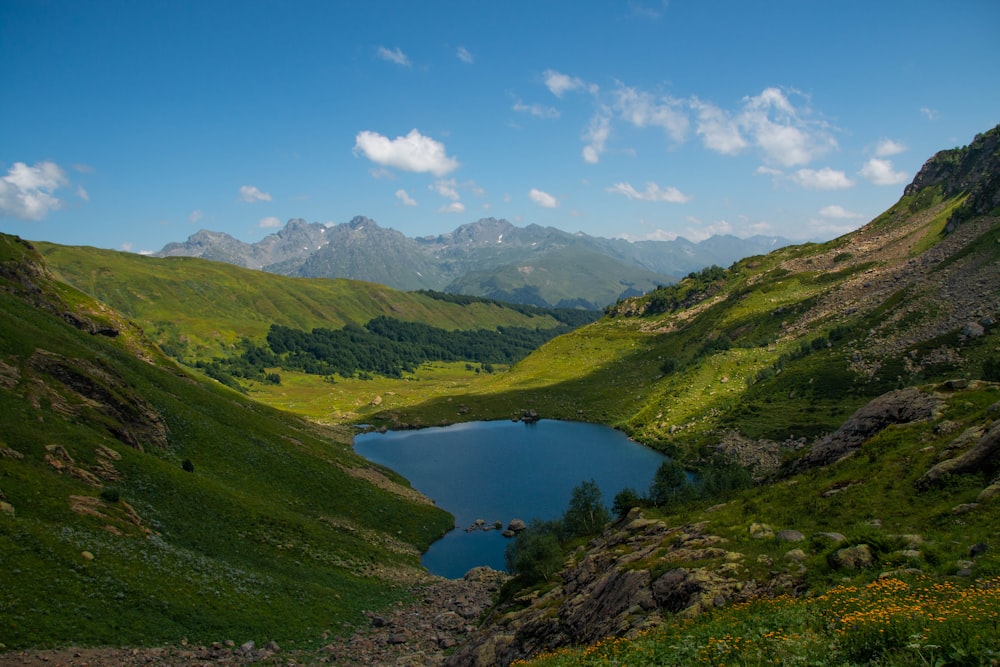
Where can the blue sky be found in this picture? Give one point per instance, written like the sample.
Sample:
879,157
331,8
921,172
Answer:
128,125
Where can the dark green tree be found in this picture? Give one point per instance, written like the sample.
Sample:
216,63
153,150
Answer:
670,484
586,514
625,500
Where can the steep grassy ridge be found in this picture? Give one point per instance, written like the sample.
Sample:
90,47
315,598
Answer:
198,309
142,504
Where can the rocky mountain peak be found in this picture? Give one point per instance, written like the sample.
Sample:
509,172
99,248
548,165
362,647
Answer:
973,169
360,221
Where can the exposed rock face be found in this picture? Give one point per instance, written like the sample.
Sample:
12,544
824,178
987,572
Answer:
75,385
619,585
984,456
974,169
897,407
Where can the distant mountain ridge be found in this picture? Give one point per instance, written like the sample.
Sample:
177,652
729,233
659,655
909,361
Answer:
541,266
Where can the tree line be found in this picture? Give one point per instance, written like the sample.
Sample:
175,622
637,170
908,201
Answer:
384,346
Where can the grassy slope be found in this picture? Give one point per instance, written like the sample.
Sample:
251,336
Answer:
201,307
269,518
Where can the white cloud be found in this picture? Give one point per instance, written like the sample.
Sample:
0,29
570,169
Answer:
381,172
269,222
646,12
880,172
653,192
887,147
718,130
82,193
543,199
127,246
251,193
769,171
838,213
536,110
464,55
784,133
821,179
698,234
597,135
414,152
27,192
445,188
407,200
395,55
928,113
559,84
454,207
643,109
195,216
655,235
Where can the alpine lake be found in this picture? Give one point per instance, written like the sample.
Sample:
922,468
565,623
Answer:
489,473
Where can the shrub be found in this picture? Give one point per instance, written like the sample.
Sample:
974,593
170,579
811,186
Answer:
111,495
625,500
535,554
187,465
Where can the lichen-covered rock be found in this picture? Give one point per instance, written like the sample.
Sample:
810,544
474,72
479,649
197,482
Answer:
902,406
858,557
984,455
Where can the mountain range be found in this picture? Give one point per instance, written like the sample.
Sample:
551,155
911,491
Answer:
534,265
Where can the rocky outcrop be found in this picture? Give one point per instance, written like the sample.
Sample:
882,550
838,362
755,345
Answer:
983,456
903,406
973,169
619,585
73,386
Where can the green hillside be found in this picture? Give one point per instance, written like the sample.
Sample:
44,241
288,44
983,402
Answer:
198,309
141,504
783,346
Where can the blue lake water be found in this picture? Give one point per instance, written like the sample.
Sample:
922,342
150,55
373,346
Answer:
502,470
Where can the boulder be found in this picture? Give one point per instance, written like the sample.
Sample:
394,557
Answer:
761,531
982,456
857,557
789,536
797,555
516,525
973,330
902,406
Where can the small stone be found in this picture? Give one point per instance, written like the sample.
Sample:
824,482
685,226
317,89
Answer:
247,647
87,555
761,531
